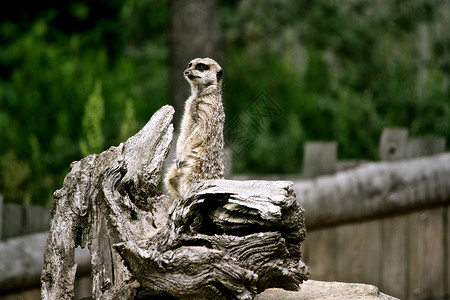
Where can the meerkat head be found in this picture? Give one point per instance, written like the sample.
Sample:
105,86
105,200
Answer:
203,72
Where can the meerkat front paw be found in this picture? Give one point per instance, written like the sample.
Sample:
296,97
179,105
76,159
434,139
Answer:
183,158
180,163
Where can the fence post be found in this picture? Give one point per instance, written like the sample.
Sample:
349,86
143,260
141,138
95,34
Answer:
1,217
425,146
320,158
393,144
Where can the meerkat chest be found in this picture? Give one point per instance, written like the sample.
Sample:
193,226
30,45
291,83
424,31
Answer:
198,110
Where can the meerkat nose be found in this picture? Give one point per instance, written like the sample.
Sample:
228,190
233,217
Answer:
187,73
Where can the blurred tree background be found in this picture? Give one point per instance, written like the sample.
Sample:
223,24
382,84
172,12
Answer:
78,76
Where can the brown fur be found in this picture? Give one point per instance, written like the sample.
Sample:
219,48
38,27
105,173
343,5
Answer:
200,143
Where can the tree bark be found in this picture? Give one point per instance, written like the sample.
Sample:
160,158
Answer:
225,240
107,199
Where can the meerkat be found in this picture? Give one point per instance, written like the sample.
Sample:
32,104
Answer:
199,148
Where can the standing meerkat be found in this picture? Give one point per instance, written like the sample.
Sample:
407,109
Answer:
199,149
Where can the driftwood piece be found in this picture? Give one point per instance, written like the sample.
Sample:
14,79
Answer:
107,199
225,240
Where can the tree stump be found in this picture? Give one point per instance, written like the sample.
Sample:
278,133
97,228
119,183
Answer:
225,240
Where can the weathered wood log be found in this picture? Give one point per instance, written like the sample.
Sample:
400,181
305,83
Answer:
107,199
375,189
225,240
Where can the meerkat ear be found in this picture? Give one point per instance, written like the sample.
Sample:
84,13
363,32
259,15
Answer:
219,75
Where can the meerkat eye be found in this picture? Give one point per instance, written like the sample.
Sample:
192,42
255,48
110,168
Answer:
189,65
201,67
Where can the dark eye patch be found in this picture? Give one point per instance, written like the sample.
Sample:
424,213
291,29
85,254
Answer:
189,65
201,67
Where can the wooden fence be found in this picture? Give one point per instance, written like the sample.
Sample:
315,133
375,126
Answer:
405,255
23,234
384,223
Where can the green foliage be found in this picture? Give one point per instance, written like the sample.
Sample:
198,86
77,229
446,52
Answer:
338,70
94,112
333,70
14,177
129,124
48,72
